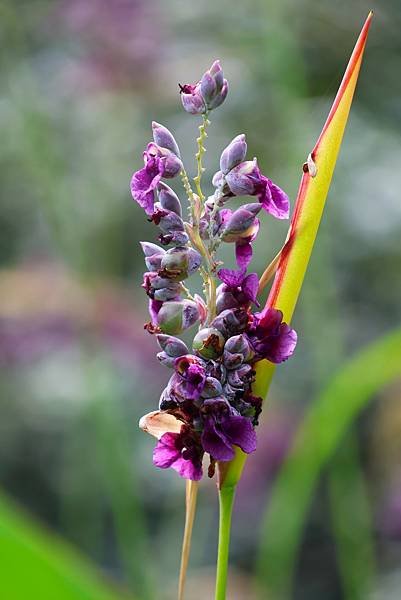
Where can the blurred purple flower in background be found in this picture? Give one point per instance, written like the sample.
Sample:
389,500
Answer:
119,40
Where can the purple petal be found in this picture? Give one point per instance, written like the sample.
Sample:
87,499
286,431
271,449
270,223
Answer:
273,199
225,214
269,321
215,442
243,254
188,469
165,452
283,345
144,182
230,277
250,287
239,431
280,206
154,308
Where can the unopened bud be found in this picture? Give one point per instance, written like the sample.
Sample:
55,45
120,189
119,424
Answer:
153,255
175,317
172,346
209,343
237,351
233,154
180,262
168,199
207,94
230,322
212,389
242,223
164,138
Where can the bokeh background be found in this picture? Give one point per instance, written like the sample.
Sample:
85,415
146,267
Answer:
83,513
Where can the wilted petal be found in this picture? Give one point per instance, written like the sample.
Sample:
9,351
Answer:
157,423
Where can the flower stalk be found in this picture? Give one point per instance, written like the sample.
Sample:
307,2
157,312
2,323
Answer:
213,399
191,493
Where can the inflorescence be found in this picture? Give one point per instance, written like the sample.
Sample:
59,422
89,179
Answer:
208,405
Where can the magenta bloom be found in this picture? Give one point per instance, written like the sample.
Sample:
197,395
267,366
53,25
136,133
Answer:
181,451
246,180
159,162
223,428
193,376
144,182
270,337
243,287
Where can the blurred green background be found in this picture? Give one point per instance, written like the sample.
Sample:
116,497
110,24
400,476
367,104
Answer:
83,513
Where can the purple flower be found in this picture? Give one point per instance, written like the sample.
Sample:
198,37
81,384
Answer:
193,375
270,337
238,288
159,162
223,428
181,451
144,182
246,180
207,94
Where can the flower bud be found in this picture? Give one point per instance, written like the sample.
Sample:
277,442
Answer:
245,179
241,377
170,292
237,350
164,138
168,199
230,322
233,154
171,225
218,179
153,255
180,262
175,317
172,346
208,343
207,94
225,299
242,223
212,389
192,99
160,288
171,164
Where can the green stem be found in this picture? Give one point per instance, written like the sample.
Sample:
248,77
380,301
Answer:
190,194
226,502
199,155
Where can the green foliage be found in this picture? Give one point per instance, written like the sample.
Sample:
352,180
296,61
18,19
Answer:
328,419
37,564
